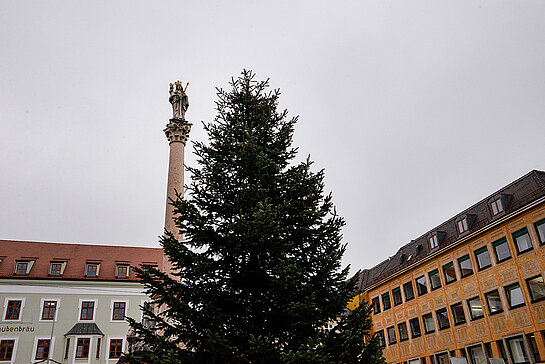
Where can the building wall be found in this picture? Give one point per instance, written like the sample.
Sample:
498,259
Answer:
495,328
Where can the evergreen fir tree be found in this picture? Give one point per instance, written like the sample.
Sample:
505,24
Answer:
258,274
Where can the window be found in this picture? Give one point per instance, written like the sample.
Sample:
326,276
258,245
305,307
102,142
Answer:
119,311
67,348
403,333
87,310
396,294
415,327
483,258
476,354
450,273
442,319
380,335
55,269
409,292
97,353
49,310
6,349
540,228
91,270
522,240
82,348
42,349
429,326
122,271
13,310
464,263
421,285
533,347
116,346
435,280
475,308
517,350
462,226
494,302
496,206
458,313
514,295
501,248
386,304
376,305
21,268
391,335
434,243
536,286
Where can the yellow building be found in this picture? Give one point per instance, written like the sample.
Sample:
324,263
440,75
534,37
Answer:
472,287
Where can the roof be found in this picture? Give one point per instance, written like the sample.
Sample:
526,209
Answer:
84,329
75,257
519,193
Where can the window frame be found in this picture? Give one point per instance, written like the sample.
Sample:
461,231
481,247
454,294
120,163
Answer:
113,311
435,272
519,233
452,310
508,289
96,270
498,205
471,316
403,326
418,285
444,268
413,335
13,349
122,348
82,339
120,267
486,295
497,243
398,291
22,272
477,253
405,285
461,260
375,302
381,338
541,237
462,225
384,308
390,341
530,291
430,315
433,241
6,307
440,312
80,310
36,347
55,264
42,309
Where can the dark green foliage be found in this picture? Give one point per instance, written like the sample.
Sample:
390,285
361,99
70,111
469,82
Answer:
258,274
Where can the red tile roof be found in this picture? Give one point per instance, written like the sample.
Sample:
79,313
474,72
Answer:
76,256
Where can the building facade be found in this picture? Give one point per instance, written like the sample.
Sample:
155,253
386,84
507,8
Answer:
68,302
473,287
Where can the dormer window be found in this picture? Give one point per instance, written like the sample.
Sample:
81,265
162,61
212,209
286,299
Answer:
91,270
496,206
434,243
23,267
122,271
56,269
462,225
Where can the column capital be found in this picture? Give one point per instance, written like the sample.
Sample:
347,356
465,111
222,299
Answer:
177,130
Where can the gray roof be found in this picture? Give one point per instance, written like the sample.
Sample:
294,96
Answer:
84,329
517,194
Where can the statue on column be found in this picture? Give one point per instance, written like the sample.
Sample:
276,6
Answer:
179,100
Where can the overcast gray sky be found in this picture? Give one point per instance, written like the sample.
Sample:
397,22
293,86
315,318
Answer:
416,109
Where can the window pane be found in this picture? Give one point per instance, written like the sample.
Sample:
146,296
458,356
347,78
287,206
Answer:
391,335
380,335
403,333
475,307
442,319
415,327
6,349
465,266
494,302
517,350
42,349
421,285
502,250
429,325
476,354
13,311
536,287
396,293
408,289
514,295
522,240
49,309
483,258
458,313
376,305
540,227
386,304
435,280
450,272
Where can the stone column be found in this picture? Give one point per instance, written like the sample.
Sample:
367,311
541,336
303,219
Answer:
177,132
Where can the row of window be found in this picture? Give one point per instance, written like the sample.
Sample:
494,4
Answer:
7,348
56,269
521,239
513,295
516,349
14,309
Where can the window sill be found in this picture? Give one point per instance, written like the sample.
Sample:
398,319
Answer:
460,323
467,275
444,328
477,318
429,332
525,251
454,281
483,268
537,300
495,313
503,260
517,306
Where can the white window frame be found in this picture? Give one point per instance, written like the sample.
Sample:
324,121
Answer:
81,300
63,267
42,302
28,267
14,354
128,265
462,225
497,205
108,346
81,360
433,241
112,309
98,269
35,347
22,299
